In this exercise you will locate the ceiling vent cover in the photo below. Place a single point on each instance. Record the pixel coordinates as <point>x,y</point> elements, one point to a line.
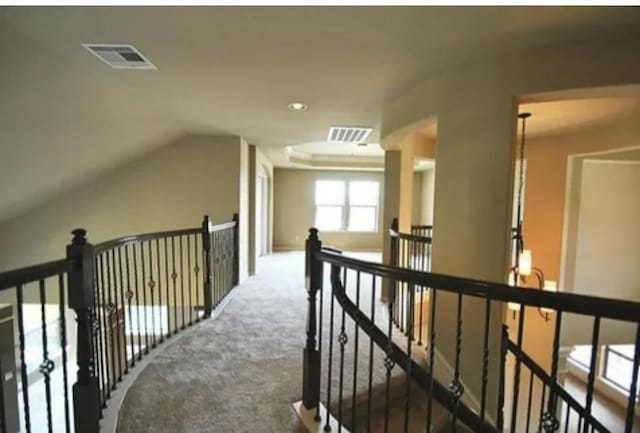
<point>347,134</point>
<point>120,56</point>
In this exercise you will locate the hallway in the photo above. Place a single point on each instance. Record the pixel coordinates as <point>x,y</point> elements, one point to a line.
<point>239,372</point>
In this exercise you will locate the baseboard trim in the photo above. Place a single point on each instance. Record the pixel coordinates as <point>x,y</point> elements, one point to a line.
<point>307,417</point>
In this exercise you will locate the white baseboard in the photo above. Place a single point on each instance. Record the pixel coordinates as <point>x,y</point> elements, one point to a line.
<point>308,418</point>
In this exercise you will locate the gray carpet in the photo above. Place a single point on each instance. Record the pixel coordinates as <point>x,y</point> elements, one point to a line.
<point>242,371</point>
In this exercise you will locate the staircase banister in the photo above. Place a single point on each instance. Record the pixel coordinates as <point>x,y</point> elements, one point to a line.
<point>568,302</point>
<point>125,240</point>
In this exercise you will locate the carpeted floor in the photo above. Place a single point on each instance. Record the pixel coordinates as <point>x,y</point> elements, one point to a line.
<point>242,371</point>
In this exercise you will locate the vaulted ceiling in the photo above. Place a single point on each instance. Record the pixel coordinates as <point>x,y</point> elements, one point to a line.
<point>65,116</point>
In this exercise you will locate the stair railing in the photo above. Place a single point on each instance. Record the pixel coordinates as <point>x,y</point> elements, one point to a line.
<point>129,295</point>
<point>351,310</point>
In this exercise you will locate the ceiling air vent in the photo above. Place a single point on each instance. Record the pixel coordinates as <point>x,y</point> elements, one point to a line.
<point>347,134</point>
<point>120,56</point>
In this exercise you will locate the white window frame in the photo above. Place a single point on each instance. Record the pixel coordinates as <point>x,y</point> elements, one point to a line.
<point>347,206</point>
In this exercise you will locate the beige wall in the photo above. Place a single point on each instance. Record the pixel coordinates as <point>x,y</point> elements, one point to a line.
<point>608,252</point>
<point>259,165</point>
<point>294,210</point>
<point>172,187</point>
<point>428,191</point>
<point>418,198</point>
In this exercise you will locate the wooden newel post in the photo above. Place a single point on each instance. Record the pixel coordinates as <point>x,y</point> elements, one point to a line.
<point>80,283</point>
<point>311,358</point>
<point>206,245</point>
<point>236,250</point>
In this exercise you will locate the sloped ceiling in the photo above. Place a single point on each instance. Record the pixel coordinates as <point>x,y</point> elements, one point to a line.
<point>65,116</point>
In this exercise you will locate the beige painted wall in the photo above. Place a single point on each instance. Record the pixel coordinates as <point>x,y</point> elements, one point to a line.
<point>418,198</point>
<point>608,252</point>
<point>259,165</point>
<point>172,187</point>
<point>428,192</point>
<point>294,210</point>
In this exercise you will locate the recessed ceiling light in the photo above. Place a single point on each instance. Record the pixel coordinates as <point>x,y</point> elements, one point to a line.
<point>298,106</point>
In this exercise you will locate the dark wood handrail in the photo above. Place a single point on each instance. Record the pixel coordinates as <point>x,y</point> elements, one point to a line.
<point>558,389</point>
<point>418,372</point>
<point>421,227</point>
<point>569,302</point>
<point>34,273</point>
<point>410,237</point>
<point>125,240</point>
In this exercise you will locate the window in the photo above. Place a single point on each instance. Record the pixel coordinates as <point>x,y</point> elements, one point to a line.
<point>618,365</point>
<point>351,206</point>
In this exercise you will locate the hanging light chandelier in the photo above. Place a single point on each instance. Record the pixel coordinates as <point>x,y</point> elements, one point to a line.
<point>523,266</point>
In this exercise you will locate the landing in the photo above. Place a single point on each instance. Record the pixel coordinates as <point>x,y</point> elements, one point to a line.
<point>237,373</point>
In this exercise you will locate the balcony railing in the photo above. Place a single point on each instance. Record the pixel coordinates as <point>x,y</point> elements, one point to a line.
<point>129,295</point>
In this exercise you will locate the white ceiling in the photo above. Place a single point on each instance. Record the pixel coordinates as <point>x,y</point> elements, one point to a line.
<point>65,116</point>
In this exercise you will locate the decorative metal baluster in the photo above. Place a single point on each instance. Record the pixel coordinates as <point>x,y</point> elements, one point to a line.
<point>388,360</point>
<point>342,339</point>
<point>47,365</point>
<point>485,359</point>
<point>189,280</point>
<point>97,331</point>
<point>356,332</point>
<point>373,321</point>
<point>504,339</point>
<point>116,330</point>
<point>182,284</point>
<point>566,420</point>
<point>530,400</point>
<point>166,287</point>
<point>129,296</point>
<point>633,389</point>
<point>122,298</point>
<point>403,263</point>
<point>62,324</point>
<point>196,271</point>
<point>456,386</point>
<point>152,286</point>
<point>550,421</point>
<point>421,294</point>
<point>410,338</point>
<point>334,269</point>
<point>159,288</point>
<point>137,296</point>
<point>3,421</point>
<point>516,376</point>
<point>320,320</point>
<point>215,251</point>
<point>23,361</point>
<point>592,368</point>
<point>544,393</point>
<point>110,314</point>
<point>174,277</point>
<point>106,382</point>
<point>144,299</point>
<point>432,353</point>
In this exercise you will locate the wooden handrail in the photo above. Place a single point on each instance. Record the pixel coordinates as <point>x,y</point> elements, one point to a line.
<point>34,273</point>
<point>569,302</point>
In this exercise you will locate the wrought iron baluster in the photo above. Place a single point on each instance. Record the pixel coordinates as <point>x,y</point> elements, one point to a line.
<point>373,320</point>
<point>3,421</point>
<point>504,339</point>
<point>410,338</point>
<point>159,288</point>
<point>529,400</point>
<point>106,383</point>
<point>23,361</point>
<point>334,269</point>
<point>456,386</point>
<point>97,330</point>
<point>566,420</point>
<point>595,337</point>
<point>388,360</point>
<point>550,421</point>
<point>516,378</point>
<point>196,270</point>
<point>189,280</point>
<point>485,359</point>
<point>152,286</point>
<point>122,298</point>
<point>356,332</point>
<point>540,418</point>
<point>62,324</point>
<point>182,284</point>
<point>136,279</point>
<point>110,315</point>
<point>174,277</point>
<point>432,353</point>
<point>144,299</point>
<point>342,339</point>
<point>47,365</point>
<point>166,287</point>
<point>420,325</point>
<point>129,295</point>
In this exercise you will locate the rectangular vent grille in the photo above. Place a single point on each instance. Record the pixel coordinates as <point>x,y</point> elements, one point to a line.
<point>120,56</point>
<point>347,134</point>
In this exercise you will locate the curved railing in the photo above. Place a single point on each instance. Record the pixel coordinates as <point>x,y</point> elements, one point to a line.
<point>353,280</point>
<point>129,295</point>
